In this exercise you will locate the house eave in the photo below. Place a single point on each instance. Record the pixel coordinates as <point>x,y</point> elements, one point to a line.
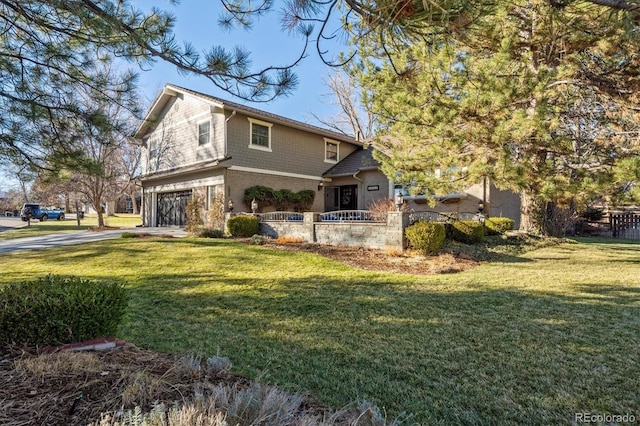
<point>184,170</point>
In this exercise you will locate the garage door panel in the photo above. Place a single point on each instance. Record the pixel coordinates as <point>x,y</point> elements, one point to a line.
<point>172,208</point>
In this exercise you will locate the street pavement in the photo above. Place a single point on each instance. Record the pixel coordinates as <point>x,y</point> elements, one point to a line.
<point>71,238</point>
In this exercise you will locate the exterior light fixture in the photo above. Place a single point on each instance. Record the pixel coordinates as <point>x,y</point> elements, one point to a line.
<point>320,186</point>
<point>230,205</point>
<point>481,207</point>
<point>254,206</point>
<point>399,200</point>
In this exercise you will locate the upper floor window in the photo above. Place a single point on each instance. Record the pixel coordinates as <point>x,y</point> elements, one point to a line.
<point>204,132</point>
<point>153,148</point>
<point>331,151</point>
<point>260,135</point>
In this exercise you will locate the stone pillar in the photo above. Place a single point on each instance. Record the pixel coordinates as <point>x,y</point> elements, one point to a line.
<point>309,227</point>
<point>396,222</point>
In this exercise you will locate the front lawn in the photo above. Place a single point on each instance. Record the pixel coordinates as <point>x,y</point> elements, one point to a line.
<point>532,339</point>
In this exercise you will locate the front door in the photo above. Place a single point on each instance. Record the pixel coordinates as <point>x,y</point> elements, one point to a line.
<point>340,198</point>
<point>349,197</point>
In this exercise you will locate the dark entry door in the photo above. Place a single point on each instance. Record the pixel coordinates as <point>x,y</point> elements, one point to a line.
<point>172,208</point>
<point>349,197</point>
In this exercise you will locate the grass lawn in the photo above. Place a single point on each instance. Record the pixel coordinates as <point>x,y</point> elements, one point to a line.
<point>70,224</point>
<point>532,339</point>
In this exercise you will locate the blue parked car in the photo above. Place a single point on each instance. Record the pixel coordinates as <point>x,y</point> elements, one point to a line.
<point>34,211</point>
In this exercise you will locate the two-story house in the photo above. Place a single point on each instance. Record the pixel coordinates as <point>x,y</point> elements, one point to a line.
<point>199,144</point>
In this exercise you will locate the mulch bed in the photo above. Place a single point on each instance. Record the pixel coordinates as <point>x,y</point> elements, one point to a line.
<point>385,261</point>
<point>74,388</point>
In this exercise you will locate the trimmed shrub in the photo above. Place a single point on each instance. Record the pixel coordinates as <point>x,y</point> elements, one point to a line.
<point>54,310</point>
<point>286,199</point>
<point>210,233</point>
<point>467,231</point>
<point>305,200</point>
<point>426,237</point>
<point>264,195</point>
<point>243,225</point>
<point>498,225</point>
<point>282,199</point>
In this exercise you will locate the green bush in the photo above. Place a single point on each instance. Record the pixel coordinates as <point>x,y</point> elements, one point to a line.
<point>54,310</point>
<point>282,199</point>
<point>305,199</point>
<point>286,199</point>
<point>467,231</point>
<point>263,195</point>
<point>498,225</point>
<point>243,225</point>
<point>210,233</point>
<point>426,237</point>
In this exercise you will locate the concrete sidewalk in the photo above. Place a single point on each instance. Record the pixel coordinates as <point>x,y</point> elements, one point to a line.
<point>80,237</point>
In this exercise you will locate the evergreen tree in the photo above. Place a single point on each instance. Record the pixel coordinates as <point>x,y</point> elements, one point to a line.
<point>540,96</point>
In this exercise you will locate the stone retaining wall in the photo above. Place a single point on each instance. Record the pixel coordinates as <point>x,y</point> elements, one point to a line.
<point>384,236</point>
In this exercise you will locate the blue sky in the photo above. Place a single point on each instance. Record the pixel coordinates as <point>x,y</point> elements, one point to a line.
<point>197,23</point>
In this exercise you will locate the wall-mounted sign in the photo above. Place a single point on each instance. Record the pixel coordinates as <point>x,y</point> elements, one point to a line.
<point>373,188</point>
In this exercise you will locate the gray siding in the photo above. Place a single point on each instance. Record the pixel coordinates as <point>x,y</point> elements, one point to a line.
<point>175,138</point>
<point>292,151</point>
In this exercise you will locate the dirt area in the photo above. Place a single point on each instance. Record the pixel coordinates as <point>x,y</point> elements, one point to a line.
<point>386,261</point>
<point>76,388</point>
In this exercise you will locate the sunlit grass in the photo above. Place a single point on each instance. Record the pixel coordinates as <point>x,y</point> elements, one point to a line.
<point>70,224</point>
<point>531,339</point>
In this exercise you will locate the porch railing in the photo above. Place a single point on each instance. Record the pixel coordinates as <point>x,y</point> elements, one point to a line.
<point>353,216</point>
<point>281,217</point>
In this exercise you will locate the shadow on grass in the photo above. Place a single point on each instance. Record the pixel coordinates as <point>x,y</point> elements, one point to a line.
<point>470,356</point>
<point>447,351</point>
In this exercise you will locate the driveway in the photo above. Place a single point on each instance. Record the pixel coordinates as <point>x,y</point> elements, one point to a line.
<point>79,237</point>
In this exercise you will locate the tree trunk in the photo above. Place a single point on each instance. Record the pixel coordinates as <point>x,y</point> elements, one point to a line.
<point>98,207</point>
<point>532,214</point>
<point>134,202</point>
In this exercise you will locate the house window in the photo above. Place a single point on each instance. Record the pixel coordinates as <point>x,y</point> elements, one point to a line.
<point>204,132</point>
<point>260,135</point>
<point>331,151</point>
<point>153,149</point>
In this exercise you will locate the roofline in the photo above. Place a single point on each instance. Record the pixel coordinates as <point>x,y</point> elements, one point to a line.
<point>173,90</point>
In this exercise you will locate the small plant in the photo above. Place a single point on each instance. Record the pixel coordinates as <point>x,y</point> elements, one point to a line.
<point>289,240</point>
<point>498,225</point>
<point>217,365</point>
<point>210,233</point>
<point>243,225</point>
<point>467,231</point>
<point>426,237</point>
<point>129,235</point>
<point>216,212</point>
<point>258,240</point>
<point>53,310</point>
<point>194,215</point>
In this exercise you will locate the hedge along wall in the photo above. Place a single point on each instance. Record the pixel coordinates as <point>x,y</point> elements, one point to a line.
<point>359,234</point>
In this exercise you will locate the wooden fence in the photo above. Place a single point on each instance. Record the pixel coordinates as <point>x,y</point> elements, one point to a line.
<point>626,225</point>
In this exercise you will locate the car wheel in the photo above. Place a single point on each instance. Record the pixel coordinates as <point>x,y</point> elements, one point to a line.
<point>44,218</point>
<point>61,217</point>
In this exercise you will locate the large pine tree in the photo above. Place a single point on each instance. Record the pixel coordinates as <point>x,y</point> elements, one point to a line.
<point>540,96</point>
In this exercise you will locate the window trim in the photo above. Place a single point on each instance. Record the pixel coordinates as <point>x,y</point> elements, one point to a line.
<point>198,123</point>
<point>326,145</point>
<point>253,121</point>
